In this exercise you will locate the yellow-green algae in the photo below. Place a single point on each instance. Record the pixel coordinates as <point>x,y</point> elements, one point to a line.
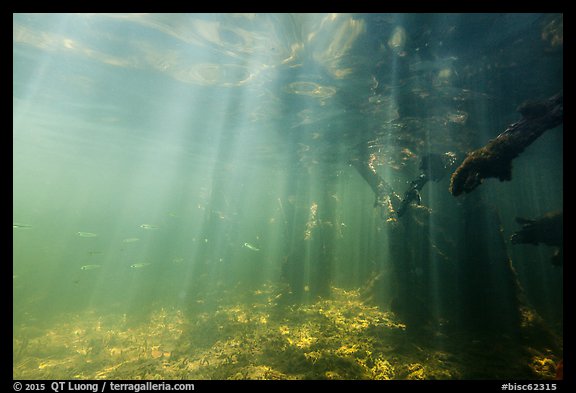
<point>337,338</point>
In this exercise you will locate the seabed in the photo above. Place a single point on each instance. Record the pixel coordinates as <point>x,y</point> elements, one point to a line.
<point>339,338</point>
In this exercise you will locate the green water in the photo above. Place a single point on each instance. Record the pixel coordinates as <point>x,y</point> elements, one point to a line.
<point>186,203</point>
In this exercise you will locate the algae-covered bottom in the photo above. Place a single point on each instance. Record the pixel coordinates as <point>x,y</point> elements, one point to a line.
<point>337,338</point>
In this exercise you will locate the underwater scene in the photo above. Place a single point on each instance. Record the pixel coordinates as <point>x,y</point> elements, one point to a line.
<point>288,196</point>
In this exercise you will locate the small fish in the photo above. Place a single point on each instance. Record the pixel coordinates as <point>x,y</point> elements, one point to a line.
<point>139,265</point>
<point>90,267</point>
<point>94,252</point>
<point>251,247</point>
<point>16,225</point>
<point>148,226</point>
<point>86,234</point>
<point>131,240</point>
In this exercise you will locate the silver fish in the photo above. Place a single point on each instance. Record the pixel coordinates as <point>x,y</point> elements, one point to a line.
<point>139,265</point>
<point>16,225</point>
<point>148,226</point>
<point>130,240</point>
<point>251,247</point>
<point>86,234</point>
<point>90,267</point>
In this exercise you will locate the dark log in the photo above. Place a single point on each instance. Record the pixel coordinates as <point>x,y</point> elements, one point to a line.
<point>433,167</point>
<point>382,190</point>
<point>495,159</point>
<point>547,229</point>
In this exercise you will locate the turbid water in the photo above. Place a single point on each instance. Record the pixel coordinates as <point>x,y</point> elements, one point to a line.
<point>266,196</point>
